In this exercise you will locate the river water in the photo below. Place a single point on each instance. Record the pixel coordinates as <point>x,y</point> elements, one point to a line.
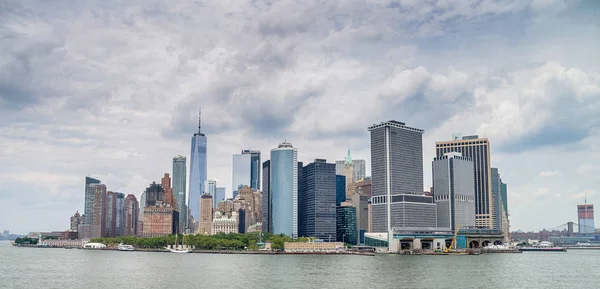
<point>61,268</point>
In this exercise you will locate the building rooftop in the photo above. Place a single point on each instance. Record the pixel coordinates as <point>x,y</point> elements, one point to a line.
<point>396,124</point>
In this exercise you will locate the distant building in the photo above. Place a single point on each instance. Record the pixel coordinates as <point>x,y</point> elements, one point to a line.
<point>340,189</point>
<point>198,169</point>
<point>211,189</point>
<point>169,198</point>
<point>75,222</point>
<point>254,168</point>
<point>120,214</point>
<point>349,174</point>
<point>359,168</point>
<point>224,224</point>
<point>206,216</point>
<point>316,200</point>
<point>585,215</point>
<point>241,171</point>
<point>397,178</point>
<point>283,188</point>
<point>110,215</point>
<point>313,246</point>
<point>154,193</point>
<point>346,223</point>
<point>160,219</point>
<point>361,203</point>
<point>363,187</point>
<point>225,207</point>
<point>248,203</point>
<point>454,191</point>
<point>98,211</point>
<point>267,222</point>
<point>220,195</point>
<point>179,184</point>
<point>131,216</point>
<point>477,149</point>
<point>85,228</point>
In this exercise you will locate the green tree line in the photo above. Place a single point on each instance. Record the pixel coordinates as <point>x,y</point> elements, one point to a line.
<point>231,241</point>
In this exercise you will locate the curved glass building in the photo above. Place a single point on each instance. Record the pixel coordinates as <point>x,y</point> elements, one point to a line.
<point>284,189</point>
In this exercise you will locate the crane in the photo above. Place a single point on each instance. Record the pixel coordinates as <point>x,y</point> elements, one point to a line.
<point>453,243</point>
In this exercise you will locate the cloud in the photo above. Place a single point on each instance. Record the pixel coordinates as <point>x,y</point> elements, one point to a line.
<point>541,192</point>
<point>111,90</point>
<point>551,173</point>
<point>587,168</point>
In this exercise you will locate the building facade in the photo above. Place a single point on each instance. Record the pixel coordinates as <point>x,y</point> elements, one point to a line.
<point>160,219</point>
<point>359,169</point>
<point>340,189</point>
<point>219,195</point>
<point>397,171</point>
<point>168,195</point>
<point>255,168</point>
<point>267,225</point>
<point>198,170</point>
<point>585,216</point>
<point>206,217</point>
<point>361,203</point>
<point>478,150</point>
<point>346,223</point>
<point>76,220</point>
<point>497,206</point>
<point>224,224</point>
<point>179,189</point>
<point>99,211</point>
<point>317,199</point>
<point>283,188</point>
<point>363,187</point>
<point>131,215</point>
<point>453,184</point>
<point>85,229</point>
<point>349,174</point>
<point>211,188</point>
<point>241,171</point>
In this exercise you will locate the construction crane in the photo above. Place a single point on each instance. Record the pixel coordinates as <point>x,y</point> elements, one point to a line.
<point>453,243</point>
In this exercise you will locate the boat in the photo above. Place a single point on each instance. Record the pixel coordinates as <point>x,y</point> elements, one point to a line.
<point>176,249</point>
<point>503,248</point>
<point>544,246</point>
<point>123,247</point>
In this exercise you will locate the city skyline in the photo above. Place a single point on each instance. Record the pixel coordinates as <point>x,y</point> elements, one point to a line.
<point>532,93</point>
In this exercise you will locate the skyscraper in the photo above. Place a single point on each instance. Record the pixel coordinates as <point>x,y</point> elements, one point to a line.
<point>206,216</point>
<point>120,214</point>
<point>497,206</point>
<point>179,181</point>
<point>284,190</point>
<point>86,227</point>
<point>166,184</point>
<point>316,200</point>
<point>340,189</point>
<point>454,191</point>
<point>359,168</point>
<point>219,196</point>
<point>478,150</point>
<point>267,225</point>
<point>98,211</point>
<point>131,215</point>
<point>154,194</point>
<point>346,223</point>
<point>241,171</point>
<point>361,203</point>
<point>198,170</point>
<point>349,174</point>
<point>397,168</point>
<point>585,218</point>
<point>254,168</point>
<point>211,188</point>
<point>110,216</point>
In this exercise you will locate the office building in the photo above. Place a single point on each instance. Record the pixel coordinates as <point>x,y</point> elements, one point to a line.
<point>504,194</point>
<point>316,200</point>
<point>340,189</point>
<point>497,206</point>
<point>179,190</point>
<point>198,170</point>
<point>346,223</point>
<point>585,216</point>
<point>85,229</point>
<point>267,225</point>
<point>211,188</point>
<point>361,204</point>
<point>160,219</point>
<point>98,211</point>
<point>359,169</point>
<point>478,150</point>
<point>219,195</point>
<point>397,178</point>
<point>131,216</point>
<point>206,216</point>
<point>110,215</point>
<point>76,220</point>
<point>153,194</point>
<point>284,176</point>
<point>453,183</point>
<point>254,168</point>
<point>223,224</point>
<point>246,170</point>
<point>169,198</point>
<point>120,214</point>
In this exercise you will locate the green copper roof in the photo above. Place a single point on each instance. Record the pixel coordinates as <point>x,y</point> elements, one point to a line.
<point>349,158</point>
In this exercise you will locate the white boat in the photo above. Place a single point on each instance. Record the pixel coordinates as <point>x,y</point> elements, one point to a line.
<point>122,247</point>
<point>176,249</point>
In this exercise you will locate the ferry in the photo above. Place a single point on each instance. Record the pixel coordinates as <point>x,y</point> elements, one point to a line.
<point>543,247</point>
<point>123,247</point>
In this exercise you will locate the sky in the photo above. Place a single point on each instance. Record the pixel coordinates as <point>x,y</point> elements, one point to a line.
<point>110,89</point>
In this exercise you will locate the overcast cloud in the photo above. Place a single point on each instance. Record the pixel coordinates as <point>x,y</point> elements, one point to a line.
<point>110,89</point>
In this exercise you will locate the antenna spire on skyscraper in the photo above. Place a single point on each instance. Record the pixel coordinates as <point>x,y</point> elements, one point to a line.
<point>199,119</point>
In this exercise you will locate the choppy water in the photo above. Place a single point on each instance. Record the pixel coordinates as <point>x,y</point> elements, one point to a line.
<point>60,268</point>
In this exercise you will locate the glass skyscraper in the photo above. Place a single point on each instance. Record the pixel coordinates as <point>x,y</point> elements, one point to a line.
<point>241,170</point>
<point>211,189</point>
<point>197,171</point>
<point>340,189</point>
<point>219,196</point>
<point>179,180</point>
<point>284,190</point>
<point>267,213</point>
<point>254,168</point>
<point>316,200</point>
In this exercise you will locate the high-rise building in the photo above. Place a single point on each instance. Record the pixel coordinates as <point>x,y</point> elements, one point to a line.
<point>211,188</point>
<point>98,211</point>
<point>504,194</point>
<point>349,174</point>
<point>75,221</point>
<point>154,193</point>
<point>160,219</point>
<point>363,187</point>
<point>284,190</point>
<point>248,203</point>
<point>85,231</point>
<point>359,169</point>
<point>219,196</point>
<point>454,197</point>
<point>497,206</point>
<point>206,216</point>
<point>120,214</point>
<point>361,203</point>
<point>316,200</point>
<point>198,170</point>
<point>246,170</point>
<point>340,189</point>
<point>179,183</point>
<point>585,216</point>
<point>477,149</point>
<point>169,198</point>
<point>110,217</point>
<point>346,223</point>
<point>267,225</point>
<point>397,178</point>
<point>131,216</point>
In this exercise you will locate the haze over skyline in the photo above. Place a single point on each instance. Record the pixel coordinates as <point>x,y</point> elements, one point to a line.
<point>111,90</point>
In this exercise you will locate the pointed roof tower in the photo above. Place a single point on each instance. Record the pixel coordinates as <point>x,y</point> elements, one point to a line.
<point>348,158</point>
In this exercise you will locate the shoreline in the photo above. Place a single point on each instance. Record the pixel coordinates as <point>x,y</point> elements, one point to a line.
<point>241,252</point>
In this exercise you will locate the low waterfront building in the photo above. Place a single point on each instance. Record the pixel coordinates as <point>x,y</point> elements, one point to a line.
<point>313,246</point>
